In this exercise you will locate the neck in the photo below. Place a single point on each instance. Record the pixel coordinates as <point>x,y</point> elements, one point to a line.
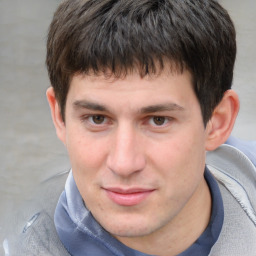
<point>182,231</point>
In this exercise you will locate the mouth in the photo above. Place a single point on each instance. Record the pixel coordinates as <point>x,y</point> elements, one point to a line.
<point>128,197</point>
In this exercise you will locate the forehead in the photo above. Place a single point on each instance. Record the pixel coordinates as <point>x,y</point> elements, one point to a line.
<point>132,92</point>
<point>132,81</point>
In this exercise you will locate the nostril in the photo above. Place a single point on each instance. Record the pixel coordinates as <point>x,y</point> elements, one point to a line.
<point>126,166</point>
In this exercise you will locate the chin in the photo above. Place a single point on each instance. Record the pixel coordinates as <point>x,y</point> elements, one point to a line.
<point>128,227</point>
<point>130,232</point>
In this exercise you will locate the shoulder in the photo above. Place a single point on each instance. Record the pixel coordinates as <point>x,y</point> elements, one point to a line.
<point>38,237</point>
<point>235,173</point>
<point>233,165</point>
<point>35,232</point>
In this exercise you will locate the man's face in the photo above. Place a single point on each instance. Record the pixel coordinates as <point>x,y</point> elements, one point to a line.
<point>137,149</point>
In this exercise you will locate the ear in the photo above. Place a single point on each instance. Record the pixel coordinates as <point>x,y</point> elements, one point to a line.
<point>56,114</point>
<point>222,121</point>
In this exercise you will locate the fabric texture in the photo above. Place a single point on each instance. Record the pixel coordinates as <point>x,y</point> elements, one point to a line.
<point>236,174</point>
<point>247,147</point>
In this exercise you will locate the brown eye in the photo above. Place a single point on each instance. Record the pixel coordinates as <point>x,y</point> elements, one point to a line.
<point>159,120</point>
<point>97,119</point>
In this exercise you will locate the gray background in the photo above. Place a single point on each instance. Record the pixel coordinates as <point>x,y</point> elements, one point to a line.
<point>29,149</point>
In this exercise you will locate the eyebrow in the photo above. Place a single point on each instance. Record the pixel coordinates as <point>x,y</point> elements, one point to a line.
<point>145,110</point>
<point>89,105</point>
<point>161,108</point>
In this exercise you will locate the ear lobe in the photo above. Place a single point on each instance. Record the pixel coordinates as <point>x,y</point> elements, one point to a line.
<point>56,114</point>
<point>222,121</point>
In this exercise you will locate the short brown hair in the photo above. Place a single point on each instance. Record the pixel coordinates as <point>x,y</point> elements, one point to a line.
<point>121,36</point>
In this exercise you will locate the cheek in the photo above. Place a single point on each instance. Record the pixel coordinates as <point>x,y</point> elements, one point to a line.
<point>181,159</point>
<point>173,152</point>
<point>87,160</point>
<point>86,153</point>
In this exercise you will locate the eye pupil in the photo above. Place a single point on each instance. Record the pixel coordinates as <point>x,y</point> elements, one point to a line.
<point>98,119</point>
<point>159,120</point>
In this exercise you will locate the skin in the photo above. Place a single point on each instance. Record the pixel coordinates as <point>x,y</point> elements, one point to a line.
<point>143,134</point>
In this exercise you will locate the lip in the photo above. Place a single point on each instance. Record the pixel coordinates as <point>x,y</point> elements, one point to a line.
<point>128,197</point>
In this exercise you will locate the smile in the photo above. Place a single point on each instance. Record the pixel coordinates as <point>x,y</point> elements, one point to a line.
<point>130,197</point>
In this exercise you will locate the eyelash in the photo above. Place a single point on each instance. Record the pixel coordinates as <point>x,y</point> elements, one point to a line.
<point>166,120</point>
<point>89,119</point>
<point>149,120</point>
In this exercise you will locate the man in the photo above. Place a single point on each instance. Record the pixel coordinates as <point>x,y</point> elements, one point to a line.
<point>140,91</point>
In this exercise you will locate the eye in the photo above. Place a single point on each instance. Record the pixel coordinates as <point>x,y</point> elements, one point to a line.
<point>96,122</point>
<point>158,120</point>
<point>97,119</point>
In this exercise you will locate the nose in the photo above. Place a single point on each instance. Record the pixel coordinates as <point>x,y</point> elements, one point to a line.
<point>126,155</point>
